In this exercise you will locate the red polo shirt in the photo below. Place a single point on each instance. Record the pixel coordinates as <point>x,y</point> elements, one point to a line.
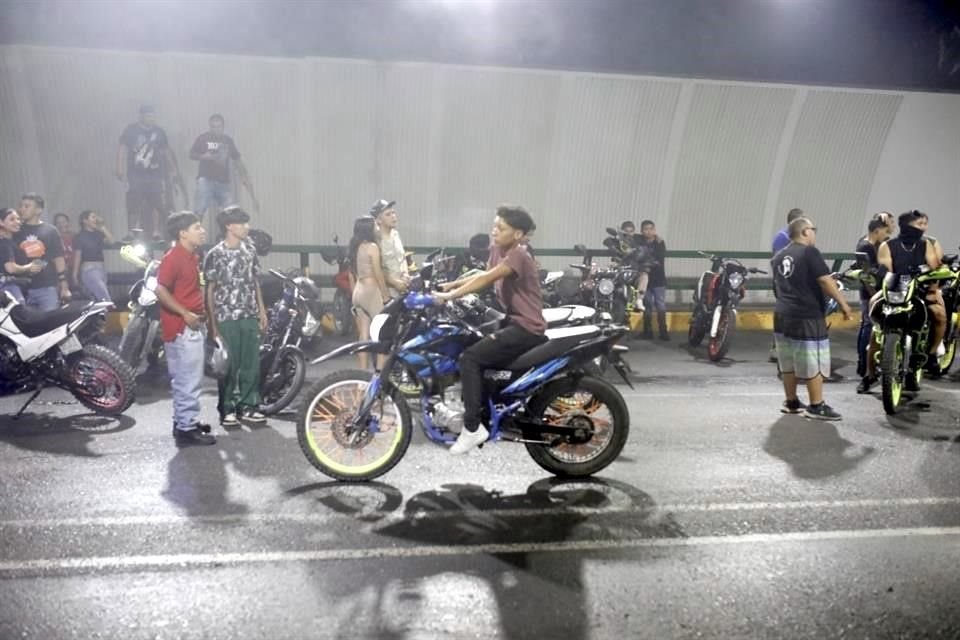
<point>179,273</point>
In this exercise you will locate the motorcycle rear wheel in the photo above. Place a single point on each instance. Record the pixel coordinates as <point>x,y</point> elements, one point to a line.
<point>100,380</point>
<point>598,406</point>
<point>892,374</point>
<point>291,371</point>
<point>697,329</point>
<point>333,447</point>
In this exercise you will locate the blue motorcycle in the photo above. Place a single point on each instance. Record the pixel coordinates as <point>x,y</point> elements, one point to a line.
<point>356,425</point>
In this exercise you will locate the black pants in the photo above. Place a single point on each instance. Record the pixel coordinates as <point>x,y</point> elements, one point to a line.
<point>497,350</point>
<point>140,208</point>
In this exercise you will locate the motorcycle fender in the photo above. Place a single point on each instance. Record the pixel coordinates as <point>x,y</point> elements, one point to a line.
<point>366,346</point>
<point>284,350</point>
<point>715,323</point>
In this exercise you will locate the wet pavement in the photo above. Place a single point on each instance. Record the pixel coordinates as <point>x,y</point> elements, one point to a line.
<point>722,519</point>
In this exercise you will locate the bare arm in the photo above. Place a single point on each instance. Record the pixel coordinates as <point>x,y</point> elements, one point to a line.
<point>209,304</point>
<point>479,282</point>
<point>829,286</point>
<point>75,267</point>
<point>246,182</point>
<point>934,256</point>
<point>107,236</point>
<point>170,303</point>
<point>883,257</point>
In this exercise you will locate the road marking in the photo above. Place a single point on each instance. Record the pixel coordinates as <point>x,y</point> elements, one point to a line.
<point>320,555</point>
<point>382,517</point>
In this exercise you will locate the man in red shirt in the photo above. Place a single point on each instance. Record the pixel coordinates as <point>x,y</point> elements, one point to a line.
<point>182,324</point>
<point>515,277</point>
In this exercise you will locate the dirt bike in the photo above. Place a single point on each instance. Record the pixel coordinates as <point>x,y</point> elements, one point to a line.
<point>357,426</point>
<point>342,311</point>
<point>58,348</point>
<point>902,330</point>
<point>715,300</point>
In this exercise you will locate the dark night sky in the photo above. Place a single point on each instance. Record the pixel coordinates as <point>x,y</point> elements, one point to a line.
<point>867,43</point>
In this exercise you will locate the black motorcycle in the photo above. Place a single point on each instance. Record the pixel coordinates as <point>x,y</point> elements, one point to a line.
<point>293,319</point>
<point>715,300</point>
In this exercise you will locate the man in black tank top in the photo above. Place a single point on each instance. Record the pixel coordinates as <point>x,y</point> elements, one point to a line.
<point>912,249</point>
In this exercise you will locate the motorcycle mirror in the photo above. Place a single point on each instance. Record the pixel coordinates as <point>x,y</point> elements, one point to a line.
<point>612,231</point>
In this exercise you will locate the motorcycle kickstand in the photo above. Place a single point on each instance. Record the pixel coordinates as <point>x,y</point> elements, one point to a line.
<point>33,397</point>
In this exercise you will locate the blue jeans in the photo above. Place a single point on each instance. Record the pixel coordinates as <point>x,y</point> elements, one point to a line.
<point>43,299</point>
<point>93,277</point>
<point>210,192</point>
<point>185,365</point>
<point>863,337</point>
<point>655,299</point>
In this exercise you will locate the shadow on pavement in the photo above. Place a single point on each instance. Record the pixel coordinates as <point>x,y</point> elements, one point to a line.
<point>923,416</point>
<point>197,482</point>
<point>537,594</point>
<point>813,449</point>
<point>60,435</point>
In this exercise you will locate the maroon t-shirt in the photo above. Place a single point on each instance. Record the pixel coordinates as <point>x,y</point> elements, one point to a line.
<point>179,273</point>
<point>519,293</point>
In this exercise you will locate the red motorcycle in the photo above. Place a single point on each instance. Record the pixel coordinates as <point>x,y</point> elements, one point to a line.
<point>342,310</point>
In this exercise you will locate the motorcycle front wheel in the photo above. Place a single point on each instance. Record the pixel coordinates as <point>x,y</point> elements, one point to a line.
<point>100,380</point>
<point>950,343</point>
<point>892,371</point>
<point>131,343</point>
<point>720,344</point>
<point>277,392</point>
<point>588,403</point>
<point>341,450</point>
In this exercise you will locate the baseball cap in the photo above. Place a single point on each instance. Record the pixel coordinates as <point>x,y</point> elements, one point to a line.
<point>380,206</point>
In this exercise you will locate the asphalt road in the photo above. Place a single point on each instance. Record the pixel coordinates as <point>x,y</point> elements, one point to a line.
<point>722,519</point>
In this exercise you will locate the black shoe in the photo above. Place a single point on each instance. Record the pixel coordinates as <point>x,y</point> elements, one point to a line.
<point>910,382</point>
<point>646,335</point>
<point>185,437</point>
<point>203,426</point>
<point>866,383</point>
<point>665,337</point>
<point>821,411</point>
<point>792,406</point>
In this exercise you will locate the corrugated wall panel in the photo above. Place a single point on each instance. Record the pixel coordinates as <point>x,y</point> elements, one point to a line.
<point>833,161</point>
<point>606,165</point>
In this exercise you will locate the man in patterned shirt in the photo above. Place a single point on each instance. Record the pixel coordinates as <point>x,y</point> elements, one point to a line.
<point>237,315</point>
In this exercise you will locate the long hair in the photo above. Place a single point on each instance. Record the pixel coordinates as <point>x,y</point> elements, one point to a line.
<point>364,230</point>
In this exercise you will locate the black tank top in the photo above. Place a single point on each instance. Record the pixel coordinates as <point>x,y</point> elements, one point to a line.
<point>904,256</point>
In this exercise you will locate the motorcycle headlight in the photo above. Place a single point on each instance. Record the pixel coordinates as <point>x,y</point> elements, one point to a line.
<point>605,286</point>
<point>735,280</point>
<point>896,297</point>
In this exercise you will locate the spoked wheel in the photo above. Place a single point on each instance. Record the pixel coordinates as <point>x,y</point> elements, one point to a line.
<point>697,329</point>
<point>719,345</point>
<point>342,450</point>
<point>893,367</point>
<point>598,412</point>
<point>101,381</point>
<point>283,386</point>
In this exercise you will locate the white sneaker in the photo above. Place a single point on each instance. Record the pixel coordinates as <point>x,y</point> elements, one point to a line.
<point>468,440</point>
<point>230,420</point>
<point>639,306</point>
<point>941,350</point>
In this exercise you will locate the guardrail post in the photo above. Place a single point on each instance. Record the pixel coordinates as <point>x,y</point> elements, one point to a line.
<point>305,263</point>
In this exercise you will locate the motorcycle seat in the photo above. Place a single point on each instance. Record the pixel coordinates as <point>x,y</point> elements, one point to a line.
<point>559,341</point>
<point>35,323</point>
<point>568,313</point>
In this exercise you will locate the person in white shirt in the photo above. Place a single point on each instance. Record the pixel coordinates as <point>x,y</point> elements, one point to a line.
<point>392,254</point>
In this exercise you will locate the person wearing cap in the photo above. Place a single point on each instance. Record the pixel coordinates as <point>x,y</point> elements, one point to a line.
<point>392,254</point>
<point>237,315</point>
<point>144,160</point>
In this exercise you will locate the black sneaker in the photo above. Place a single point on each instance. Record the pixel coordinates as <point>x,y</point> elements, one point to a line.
<point>665,337</point>
<point>866,383</point>
<point>185,437</point>
<point>646,335</point>
<point>203,426</point>
<point>792,406</point>
<point>821,411</point>
<point>910,382</point>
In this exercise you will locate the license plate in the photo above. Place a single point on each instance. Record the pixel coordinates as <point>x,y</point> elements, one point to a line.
<point>70,345</point>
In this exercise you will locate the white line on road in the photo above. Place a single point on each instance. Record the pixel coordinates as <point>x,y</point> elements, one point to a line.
<point>317,518</point>
<point>220,559</point>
